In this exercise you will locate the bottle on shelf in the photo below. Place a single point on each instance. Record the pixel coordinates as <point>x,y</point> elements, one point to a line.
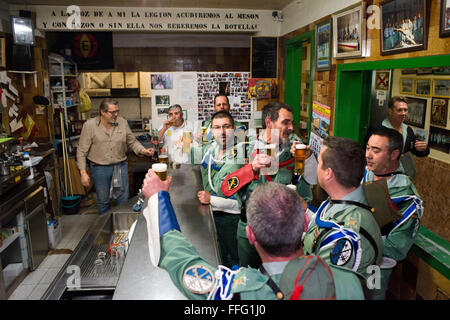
<point>27,163</point>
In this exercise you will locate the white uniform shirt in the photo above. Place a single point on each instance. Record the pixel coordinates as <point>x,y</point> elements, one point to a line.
<point>170,138</point>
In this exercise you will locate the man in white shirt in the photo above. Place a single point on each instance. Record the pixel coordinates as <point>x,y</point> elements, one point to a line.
<point>171,132</point>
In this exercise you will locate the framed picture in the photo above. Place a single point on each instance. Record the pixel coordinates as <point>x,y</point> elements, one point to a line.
<point>161,81</point>
<point>442,70</point>
<point>323,45</point>
<point>407,85</point>
<point>349,32</point>
<point>441,88</point>
<point>2,53</point>
<point>163,100</point>
<point>444,26</point>
<point>416,112</point>
<point>404,26</point>
<point>439,139</point>
<point>423,87</point>
<point>439,109</point>
<point>382,80</point>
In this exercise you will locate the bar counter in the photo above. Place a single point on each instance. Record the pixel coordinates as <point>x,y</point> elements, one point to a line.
<point>138,278</point>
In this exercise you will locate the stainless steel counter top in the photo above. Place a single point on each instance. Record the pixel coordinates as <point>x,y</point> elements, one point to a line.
<point>139,279</point>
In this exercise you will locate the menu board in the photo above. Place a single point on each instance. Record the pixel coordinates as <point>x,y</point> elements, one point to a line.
<point>264,57</point>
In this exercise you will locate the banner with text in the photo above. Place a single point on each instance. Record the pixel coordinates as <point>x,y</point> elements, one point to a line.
<point>78,18</point>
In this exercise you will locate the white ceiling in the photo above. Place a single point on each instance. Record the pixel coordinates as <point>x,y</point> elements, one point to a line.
<point>229,4</point>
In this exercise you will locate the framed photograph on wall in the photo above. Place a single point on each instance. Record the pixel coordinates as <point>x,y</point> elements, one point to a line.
<point>439,139</point>
<point>404,26</point>
<point>407,85</point>
<point>441,88</point>
<point>349,32</point>
<point>444,26</point>
<point>423,87</point>
<point>416,112</point>
<point>323,45</point>
<point>439,110</point>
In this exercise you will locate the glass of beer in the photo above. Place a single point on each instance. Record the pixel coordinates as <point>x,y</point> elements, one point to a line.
<point>271,151</point>
<point>203,131</point>
<point>299,157</point>
<point>160,170</point>
<point>163,157</point>
<point>187,139</point>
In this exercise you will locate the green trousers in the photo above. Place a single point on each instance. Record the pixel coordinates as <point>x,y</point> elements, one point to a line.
<point>248,256</point>
<point>226,227</point>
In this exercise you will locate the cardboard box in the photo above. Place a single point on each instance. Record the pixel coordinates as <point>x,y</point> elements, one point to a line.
<point>131,80</point>
<point>145,89</point>
<point>117,80</point>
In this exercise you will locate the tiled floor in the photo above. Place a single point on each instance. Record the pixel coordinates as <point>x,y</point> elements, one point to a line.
<point>36,283</point>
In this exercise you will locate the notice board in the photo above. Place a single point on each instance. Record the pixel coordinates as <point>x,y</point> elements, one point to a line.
<point>264,52</point>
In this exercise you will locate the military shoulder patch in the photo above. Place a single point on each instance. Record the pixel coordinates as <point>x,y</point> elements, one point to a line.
<point>233,183</point>
<point>342,252</point>
<point>198,279</point>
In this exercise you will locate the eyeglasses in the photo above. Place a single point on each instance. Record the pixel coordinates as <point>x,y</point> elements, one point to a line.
<point>113,112</point>
<point>225,126</point>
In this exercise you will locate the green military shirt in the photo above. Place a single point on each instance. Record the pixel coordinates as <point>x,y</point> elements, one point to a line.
<point>215,170</point>
<point>285,173</point>
<point>178,255</point>
<point>400,240</point>
<point>343,252</point>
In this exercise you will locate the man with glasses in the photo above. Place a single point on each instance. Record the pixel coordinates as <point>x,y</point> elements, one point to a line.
<point>103,142</point>
<point>219,158</point>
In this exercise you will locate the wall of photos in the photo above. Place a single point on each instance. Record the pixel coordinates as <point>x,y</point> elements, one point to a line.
<point>429,93</point>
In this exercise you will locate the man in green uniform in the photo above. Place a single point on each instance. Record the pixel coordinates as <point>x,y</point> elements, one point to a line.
<point>221,103</point>
<point>278,125</point>
<point>220,157</point>
<point>383,152</point>
<point>285,272</point>
<point>343,232</point>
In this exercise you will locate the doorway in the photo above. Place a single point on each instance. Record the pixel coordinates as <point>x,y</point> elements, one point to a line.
<point>299,80</point>
<point>353,91</point>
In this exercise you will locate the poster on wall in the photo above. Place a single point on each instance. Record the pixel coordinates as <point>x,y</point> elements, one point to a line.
<point>209,84</point>
<point>321,116</point>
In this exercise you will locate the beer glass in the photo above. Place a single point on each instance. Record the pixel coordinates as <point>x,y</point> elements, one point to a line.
<point>160,170</point>
<point>271,151</point>
<point>299,157</point>
<point>203,131</point>
<point>163,157</point>
<point>187,139</point>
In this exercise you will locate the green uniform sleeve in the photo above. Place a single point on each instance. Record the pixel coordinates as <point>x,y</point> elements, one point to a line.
<point>178,254</point>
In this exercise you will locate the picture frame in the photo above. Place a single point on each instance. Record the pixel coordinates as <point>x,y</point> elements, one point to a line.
<point>404,26</point>
<point>423,87</point>
<point>439,110</point>
<point>444,25</point>
<point>349,32</point>
<point>439,139</point>
<point>406,85</point>
<point>2,52</point>
<point>441,88</point>
<point>382,79</point>
<point>417,109</point>
<point>323,36</point>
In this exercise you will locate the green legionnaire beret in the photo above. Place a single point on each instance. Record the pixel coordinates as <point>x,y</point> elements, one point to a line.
<point>307,278</point>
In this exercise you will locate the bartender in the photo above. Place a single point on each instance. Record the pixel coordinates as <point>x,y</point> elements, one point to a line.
<point>103,142</point>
